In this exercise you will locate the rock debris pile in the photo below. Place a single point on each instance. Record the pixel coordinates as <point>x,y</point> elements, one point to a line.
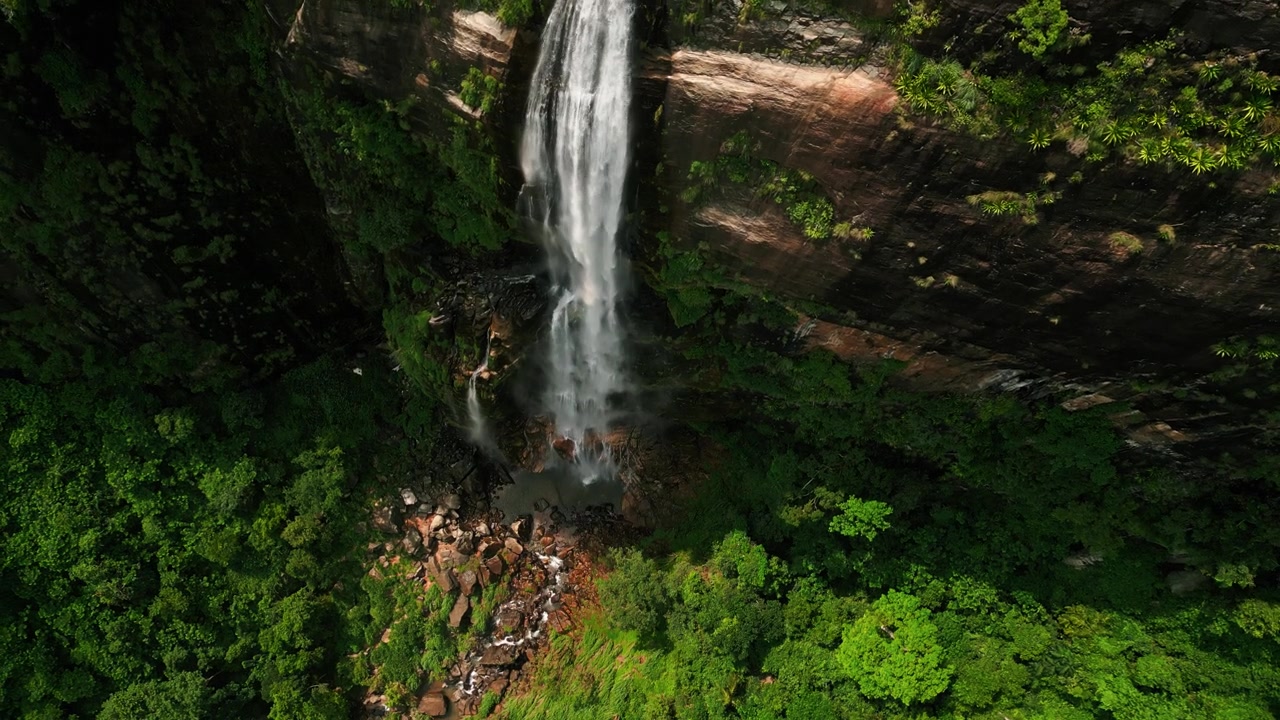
<point>529,559</point>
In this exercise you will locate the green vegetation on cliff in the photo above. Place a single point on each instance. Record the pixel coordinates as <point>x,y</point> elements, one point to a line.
<point>1153,102</point>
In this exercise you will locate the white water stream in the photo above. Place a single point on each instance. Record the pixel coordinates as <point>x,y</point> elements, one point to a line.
<point>479,429</point>
<point>574,154</point>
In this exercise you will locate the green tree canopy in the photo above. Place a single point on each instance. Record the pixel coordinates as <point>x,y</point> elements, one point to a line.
<point>893,651</point>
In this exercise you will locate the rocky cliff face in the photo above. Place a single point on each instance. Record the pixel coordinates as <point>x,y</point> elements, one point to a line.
<point>1113,282</point>
<point>1054,295</point>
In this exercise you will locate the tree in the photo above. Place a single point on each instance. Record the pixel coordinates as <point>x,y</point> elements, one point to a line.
<point>635,594</point>
<point>1041,23</point>
<point>860,518</point>
<point>893,651</point>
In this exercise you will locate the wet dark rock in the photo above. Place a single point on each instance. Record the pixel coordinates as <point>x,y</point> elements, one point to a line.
<point>520,528</point>
<point>488,547</point>
<point>499,655</point>
<point>510,620</point>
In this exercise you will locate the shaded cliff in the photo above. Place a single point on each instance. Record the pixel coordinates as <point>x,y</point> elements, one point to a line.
<point>1094,277</point>
<point>154,208</point>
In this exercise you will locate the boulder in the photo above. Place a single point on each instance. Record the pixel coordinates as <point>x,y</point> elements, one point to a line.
<point>449,557</point>
<point>565,447</point>
<point>510,620</point>
<point>441,576</point>
<point>412,542</point>
<point>494,566</point>
<point>467,582</point>
<point>437,522</point>
<point>514,546</point>
<point>459,611</point>
<point>408,497</point>
<point>520,528</point>
<point>432,704</point>
<point>559,621</point>
<point>499,655</point>
<point>384,519</point>
<point>488,547</point>
<point>452,501</point>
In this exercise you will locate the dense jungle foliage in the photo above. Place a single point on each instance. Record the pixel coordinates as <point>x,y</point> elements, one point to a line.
<point>188,460</point>
<point>865,552</point>
<point>190,453</point>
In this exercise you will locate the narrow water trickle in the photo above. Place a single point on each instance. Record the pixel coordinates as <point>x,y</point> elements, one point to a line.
<point>574,155</point>
<point>475,416</point>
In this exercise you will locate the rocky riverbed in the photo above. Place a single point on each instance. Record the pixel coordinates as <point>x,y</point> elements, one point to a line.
<point>533,558</point>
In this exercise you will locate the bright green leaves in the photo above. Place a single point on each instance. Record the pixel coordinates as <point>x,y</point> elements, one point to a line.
<point>800,195</point>
<point>184,696</point>
<point>320,486</point>
<point>1041,25</point>
<point>738,557</point>
<point>1258,618</point>
<point>861,518</point>
<point>988,672</point>
<point>479,90</point>
<point>893,651</point>
<point>157,544</point>
<point>635,594</point>
<point>226,488</point>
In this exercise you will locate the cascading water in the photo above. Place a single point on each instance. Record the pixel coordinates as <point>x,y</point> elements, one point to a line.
<point>479,429</point>
<point>574,157</point>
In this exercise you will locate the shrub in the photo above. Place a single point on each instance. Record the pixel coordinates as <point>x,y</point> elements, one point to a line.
<point>1041,23</point>
<point>634,593</point>
<point>1125,243</point>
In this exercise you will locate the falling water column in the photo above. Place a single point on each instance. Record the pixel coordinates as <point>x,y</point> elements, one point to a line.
<point>574,155</point>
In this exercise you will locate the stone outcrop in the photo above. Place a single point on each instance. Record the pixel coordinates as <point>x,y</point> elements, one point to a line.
<point>1050,302</point>
<point>1053,297</point>
<point>532,557</point>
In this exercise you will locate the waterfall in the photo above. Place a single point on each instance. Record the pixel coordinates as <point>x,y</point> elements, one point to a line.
<point>574,156</point>
<point>479,429</point>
